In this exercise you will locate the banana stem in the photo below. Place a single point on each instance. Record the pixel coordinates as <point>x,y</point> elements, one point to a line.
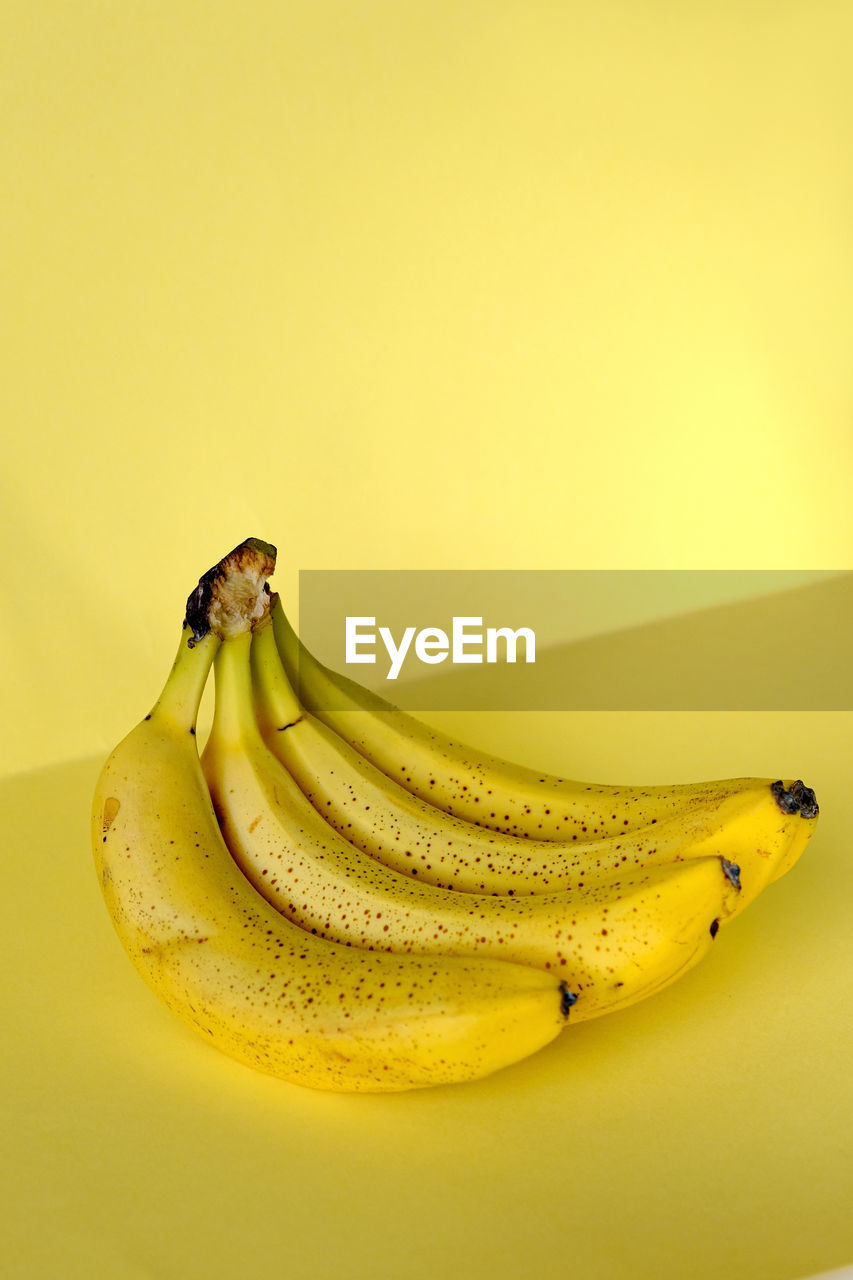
<point>286,638</point>
<point>230,599</point>
<point>181,697</point>
<point>233,712</point>
<point>275,692</point>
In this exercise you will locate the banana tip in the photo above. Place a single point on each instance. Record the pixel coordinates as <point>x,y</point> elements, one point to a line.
<point>798,798</point>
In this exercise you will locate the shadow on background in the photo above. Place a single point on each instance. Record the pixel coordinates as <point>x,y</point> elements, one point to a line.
<point>790,651</point>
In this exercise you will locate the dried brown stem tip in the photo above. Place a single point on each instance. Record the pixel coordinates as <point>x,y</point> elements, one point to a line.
<point>233,596</point>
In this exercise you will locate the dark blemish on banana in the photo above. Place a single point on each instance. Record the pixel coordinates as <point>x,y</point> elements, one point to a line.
<point>567,999</point>
<point>806,798</point>
<point>732,871</point>
<point>800,799</point>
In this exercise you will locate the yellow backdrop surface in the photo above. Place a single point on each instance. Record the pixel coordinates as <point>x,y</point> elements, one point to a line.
<point>517,285</point>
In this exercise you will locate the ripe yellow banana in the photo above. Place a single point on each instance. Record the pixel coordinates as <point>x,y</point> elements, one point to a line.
<point>614,939</point>
<point>741,820</point>
<point>312,1011</point>
<point>472,784</point>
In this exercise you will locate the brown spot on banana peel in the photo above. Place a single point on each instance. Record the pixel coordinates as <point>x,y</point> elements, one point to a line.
<point>168,945</point>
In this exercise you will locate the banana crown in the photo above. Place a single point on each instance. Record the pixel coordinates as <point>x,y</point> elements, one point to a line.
<point>358,902</point>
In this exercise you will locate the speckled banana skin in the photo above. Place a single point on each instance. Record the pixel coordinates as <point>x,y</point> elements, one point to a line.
<point>259,988</point>
<point>471,784</point>
<point>739,820</point>
<point>613,938</point>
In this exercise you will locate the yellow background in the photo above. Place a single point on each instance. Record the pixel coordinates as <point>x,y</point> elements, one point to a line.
<point>507,285</point>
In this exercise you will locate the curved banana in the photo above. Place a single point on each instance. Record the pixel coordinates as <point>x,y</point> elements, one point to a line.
<point>472,784</point>
<point>614,939</point>
<point>742,822</point>
<point>263,991</point>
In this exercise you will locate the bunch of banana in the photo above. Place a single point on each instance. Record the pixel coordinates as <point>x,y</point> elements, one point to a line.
<point>411,947</point>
